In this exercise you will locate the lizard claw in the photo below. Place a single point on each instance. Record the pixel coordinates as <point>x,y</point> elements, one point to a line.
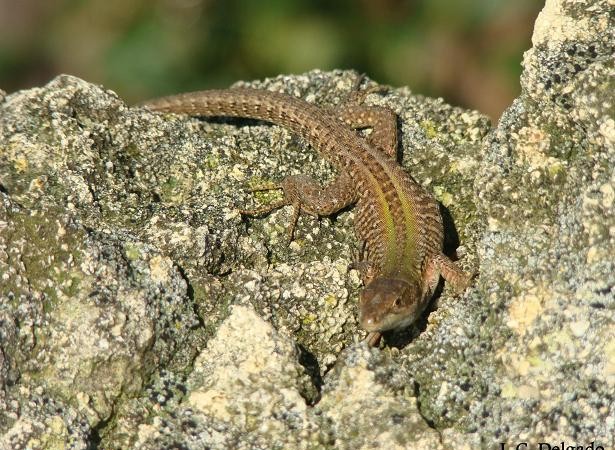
<point>357,95</point>
<point>293,222</point>
<point>266,187</point>
<point>373,339</point>
<point>263,210</point>
<point>452,273</point>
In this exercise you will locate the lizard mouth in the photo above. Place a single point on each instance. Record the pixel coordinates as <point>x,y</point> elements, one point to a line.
<point>370,325</point>
<point>391,322</point>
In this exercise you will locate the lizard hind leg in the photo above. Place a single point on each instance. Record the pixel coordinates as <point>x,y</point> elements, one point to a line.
<point>381,120</point>
<point>316,199</point>
<point>307,195</point>
<point>264,210</point>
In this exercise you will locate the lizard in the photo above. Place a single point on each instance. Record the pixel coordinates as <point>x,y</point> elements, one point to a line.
<point>397,219</point>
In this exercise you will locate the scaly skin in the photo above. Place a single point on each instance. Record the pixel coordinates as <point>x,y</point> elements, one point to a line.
<point>396,218</point>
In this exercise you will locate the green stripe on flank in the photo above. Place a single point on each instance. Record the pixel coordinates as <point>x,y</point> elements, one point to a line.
<point>390,254</point>
<point>401,260</point>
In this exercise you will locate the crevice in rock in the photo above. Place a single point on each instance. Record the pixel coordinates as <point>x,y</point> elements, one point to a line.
<point>95,434</point>
<point>417,393</point>
<point>312,368</point>
<point>190,293</point>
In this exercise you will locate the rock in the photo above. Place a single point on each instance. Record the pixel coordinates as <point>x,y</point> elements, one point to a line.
<point>138,310</point>
<point>246,390</point>
<point>254,393</point>
<point>547,266</point>
<point>123,251</point>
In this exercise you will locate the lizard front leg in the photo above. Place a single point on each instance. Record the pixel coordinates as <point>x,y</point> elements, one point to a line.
<point>367,269</point>
<point>441,264</point>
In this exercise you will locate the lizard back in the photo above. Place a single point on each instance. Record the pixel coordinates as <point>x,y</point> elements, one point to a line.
<point>398,219</point>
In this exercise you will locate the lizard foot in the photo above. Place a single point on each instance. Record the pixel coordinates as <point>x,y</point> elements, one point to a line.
<point>366,269</point>
<point>373,339</point>
<point>357,95</point>
<point>264,210</point>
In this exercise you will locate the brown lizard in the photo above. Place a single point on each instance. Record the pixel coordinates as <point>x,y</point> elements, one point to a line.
<point>398,220</point>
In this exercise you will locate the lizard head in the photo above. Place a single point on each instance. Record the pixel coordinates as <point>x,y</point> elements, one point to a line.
<point>388,303</point>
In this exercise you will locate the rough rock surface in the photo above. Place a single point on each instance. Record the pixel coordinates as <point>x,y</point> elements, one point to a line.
<point>138,310</point>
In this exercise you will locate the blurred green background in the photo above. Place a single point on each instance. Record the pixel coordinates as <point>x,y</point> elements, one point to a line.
<point>467,51</point>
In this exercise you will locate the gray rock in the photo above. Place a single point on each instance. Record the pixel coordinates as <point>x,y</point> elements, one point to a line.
<point>138,310</point>
<point>545,188</point>
<point>253,393</point>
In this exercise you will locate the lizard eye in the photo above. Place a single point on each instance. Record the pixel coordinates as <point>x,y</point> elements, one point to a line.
<point>397,302</point>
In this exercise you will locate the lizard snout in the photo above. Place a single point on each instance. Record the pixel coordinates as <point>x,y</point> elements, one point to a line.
<point>368,314</point>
